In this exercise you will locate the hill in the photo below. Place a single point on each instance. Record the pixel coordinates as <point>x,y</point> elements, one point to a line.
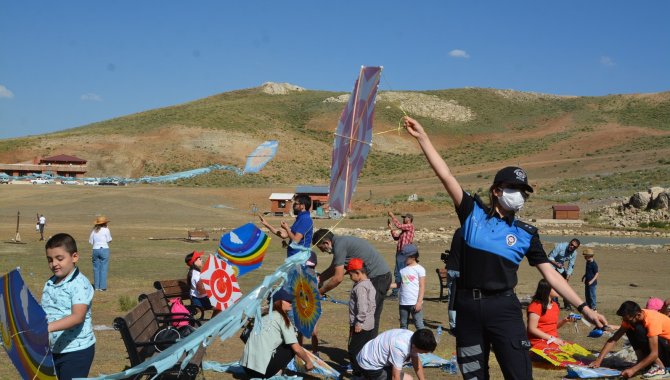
<point>575,148</point>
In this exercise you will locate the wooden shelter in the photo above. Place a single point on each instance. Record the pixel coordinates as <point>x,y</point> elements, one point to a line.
<point>566,211</point>
<point>61,165</point>
<point>281,203</point>
<point>319,197</point>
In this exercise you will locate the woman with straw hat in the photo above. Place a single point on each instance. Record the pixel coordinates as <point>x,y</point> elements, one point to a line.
<point>99,239</point>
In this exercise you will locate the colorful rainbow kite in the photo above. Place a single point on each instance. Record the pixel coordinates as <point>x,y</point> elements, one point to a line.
<point>244,247</point>
<point>220,283</point>
<point>24,329</point>
<point>307,303</point>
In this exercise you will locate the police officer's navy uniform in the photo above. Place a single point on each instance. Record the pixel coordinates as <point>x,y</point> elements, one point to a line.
<point>488,311</point>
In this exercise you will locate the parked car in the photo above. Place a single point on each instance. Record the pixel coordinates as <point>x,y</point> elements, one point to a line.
<point>40,181</point>
<point>70,182</point>
<point>91,182</point>
<point>5,180</point>
<point>109,183</point>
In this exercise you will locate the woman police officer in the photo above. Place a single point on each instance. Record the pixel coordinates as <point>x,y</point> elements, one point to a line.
<point>488,311</point>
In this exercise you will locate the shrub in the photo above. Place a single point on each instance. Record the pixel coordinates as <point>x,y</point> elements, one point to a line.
<point>126,303</point>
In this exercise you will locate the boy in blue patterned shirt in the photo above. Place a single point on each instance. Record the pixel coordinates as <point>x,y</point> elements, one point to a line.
<point>66,299</point>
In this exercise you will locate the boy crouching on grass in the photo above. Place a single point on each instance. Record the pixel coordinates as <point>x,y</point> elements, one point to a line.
<point>66,299</point>
<point>361,311</point>
<point>384,357</point>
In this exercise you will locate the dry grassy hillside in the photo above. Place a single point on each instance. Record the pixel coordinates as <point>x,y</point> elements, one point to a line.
<point>477,130</point>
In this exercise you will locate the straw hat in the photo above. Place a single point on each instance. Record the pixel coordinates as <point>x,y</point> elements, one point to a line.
<point>588,252</point>
<point>101,220</point>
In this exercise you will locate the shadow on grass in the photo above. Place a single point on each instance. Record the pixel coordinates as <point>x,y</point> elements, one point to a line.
<point>436,299</point>
<point>339,358</point>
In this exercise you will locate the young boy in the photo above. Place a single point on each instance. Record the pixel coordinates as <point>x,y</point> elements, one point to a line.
<point>361,311</point>
<point>384,357</point>
<point>648,331</point>
<point>412,288</point>
<point>66,299</point>
<point>590,278</point>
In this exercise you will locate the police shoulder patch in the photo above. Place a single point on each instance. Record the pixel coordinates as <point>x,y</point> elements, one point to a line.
<point>526,227</point>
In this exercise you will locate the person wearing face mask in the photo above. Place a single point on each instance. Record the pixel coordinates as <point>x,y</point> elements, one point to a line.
<point>488,313</point>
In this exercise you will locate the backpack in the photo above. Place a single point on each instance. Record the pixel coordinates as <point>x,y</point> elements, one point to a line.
<point>178,308</point>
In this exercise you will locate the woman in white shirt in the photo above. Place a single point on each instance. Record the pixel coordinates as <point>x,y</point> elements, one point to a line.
<point>99,239</point>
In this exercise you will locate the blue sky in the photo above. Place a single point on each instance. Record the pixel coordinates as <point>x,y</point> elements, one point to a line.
<point>65,64</point>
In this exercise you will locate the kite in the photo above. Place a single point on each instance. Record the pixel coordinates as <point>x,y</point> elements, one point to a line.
<point>353,139</point>
<point>220,283</point>
<point>244,247</point>
<point>307,303</point>
<point>260,156</point>
<point>321,369</point>
<point>24,329</point>
<point>562,356</point>
<point>580,372</point>
<point>226,324</point>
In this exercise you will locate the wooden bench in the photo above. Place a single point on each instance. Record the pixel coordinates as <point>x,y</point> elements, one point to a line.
<point>181,289</point>
<point>139,330</point>
<point>163,314</point>
<point>198,235</point>
<point>442,274</point>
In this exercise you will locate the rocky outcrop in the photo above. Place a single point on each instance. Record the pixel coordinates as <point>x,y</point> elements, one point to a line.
<point>639,200</point>
<point>419,104</point>
<point>661,201</point>
<point>642,209</point>
<point>655,198</point>
<point>280,88</point>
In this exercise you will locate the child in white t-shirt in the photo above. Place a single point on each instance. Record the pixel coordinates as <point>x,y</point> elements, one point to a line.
<point>412,288</point>
<point>198,296</point>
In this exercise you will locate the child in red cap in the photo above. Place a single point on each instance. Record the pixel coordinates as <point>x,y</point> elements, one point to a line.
<point>361,311</point>
<point>198,296</point>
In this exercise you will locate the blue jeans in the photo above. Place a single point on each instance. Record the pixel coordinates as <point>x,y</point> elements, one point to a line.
<point>590,295</point>
<point>399,264</point>
<point>452,276</point>
<point>100,268</point>
<point>417,316</point>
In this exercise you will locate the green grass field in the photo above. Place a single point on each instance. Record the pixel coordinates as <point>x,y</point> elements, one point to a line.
<point>140,212</point>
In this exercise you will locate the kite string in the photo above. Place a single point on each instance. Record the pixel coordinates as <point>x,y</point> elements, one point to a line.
<point>329,230</point>
<point>400,124</point>
<point>37,373</point>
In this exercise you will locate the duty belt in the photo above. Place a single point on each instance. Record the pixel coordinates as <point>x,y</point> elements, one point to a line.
<point>477,294</point>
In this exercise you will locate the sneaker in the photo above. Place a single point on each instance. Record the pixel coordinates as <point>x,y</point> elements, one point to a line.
<point>655,372</point>
<point>348,368</point>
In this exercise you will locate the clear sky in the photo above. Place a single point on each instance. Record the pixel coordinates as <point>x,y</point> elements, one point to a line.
<point>65,64</point>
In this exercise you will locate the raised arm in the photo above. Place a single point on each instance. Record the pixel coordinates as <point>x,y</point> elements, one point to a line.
<point>295,237</point>
<point>435,160</point>
<point>276,231</point>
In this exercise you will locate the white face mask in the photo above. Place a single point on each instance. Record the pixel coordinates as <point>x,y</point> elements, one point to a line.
<point>511,200</point>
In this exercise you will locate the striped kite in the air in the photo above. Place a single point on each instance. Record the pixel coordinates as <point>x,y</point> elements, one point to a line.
<point>353,139</point>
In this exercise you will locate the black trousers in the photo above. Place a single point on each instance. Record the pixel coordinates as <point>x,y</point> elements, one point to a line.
<point>381,284</point>
<point>640,342</point>
<point>494,321</point>
<point>385,373</point>
<point>74,364</point>
<point>281,358</point>
<point>356,343</point>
